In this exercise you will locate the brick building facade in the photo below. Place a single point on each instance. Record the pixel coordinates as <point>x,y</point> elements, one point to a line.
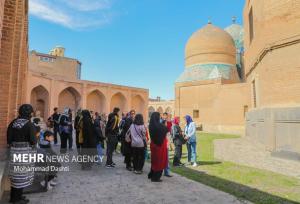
<point>55,81</point>
<point>13,60</point>
<point>272,43</point>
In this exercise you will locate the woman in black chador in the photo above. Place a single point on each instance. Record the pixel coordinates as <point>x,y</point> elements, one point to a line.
<point>21,140</point>
<point>158,146</point>
<point>90,138</point>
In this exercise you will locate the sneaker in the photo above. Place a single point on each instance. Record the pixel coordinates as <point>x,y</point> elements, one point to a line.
<point>168,175</point>
<point>113,164</point>
<point>109,166</point>
<point>195,164</point>
<point>137,172</point>
<point>53,183</point>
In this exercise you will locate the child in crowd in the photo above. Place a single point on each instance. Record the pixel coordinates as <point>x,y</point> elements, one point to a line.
<point>45,143</point>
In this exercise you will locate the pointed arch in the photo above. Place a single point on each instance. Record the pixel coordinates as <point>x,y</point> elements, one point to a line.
<point>96,101</point>
<point>138,104</point>
<point>39,99</point>
<point>120,101</point>
<point>69,97</point>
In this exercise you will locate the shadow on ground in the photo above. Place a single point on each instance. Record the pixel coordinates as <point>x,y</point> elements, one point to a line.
<point>240,191</point>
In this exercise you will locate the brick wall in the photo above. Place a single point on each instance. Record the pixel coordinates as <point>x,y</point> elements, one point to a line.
<point>221,106</point>
<point>274,22</point>
<point>59,67</point>
<point>271,58</point>
<point>13,61</point>
<point>1,18</point>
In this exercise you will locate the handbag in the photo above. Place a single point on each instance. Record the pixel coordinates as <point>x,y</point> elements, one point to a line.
<point>144,141</point>
<point>128,136</point>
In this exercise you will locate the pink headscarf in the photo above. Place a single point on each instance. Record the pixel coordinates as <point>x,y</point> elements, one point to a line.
<point>176,120</point>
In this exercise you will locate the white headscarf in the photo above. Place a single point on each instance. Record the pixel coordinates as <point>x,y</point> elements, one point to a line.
<point>66,111</point>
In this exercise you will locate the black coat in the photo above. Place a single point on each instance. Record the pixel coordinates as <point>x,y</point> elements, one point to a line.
<point>98,130</point>
<point>21,130</point>
<point>112,126</point>
<point>178,138</point>
<point>125,128</point>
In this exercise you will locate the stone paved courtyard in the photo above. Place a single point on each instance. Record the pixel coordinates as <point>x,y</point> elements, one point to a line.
<point>109,186</point>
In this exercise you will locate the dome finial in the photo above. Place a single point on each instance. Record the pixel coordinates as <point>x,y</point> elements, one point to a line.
<point>233,19</point>
<point>209,20</point>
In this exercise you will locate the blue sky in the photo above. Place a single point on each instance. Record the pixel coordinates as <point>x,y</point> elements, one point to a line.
<point>128,42</point>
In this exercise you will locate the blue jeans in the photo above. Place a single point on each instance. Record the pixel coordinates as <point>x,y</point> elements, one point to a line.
<point>100,151</point>
<point>167,169</point>
<point>192,155</point>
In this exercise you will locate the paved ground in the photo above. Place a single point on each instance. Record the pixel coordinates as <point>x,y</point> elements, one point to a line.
<point>254,155</point>
<point>108,186</point>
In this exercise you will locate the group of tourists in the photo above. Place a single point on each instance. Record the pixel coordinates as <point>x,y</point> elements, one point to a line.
<point>163,133</point>
<point>27,135</point>
<point>94,131</point>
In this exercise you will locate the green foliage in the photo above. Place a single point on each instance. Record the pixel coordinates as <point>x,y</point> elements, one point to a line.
<point>247,183</point>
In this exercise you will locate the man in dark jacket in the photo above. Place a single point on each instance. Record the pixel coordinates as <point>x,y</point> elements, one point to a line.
<point>126,146</point>
<point>54,120</point>
<point>111,132</point>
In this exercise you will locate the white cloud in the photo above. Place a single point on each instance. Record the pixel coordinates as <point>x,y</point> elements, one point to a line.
<point>88,5</point>
<point>74,14</point>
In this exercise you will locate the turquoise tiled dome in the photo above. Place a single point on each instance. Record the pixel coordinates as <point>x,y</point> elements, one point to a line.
<point>201,72</point>
<point>237,33</point>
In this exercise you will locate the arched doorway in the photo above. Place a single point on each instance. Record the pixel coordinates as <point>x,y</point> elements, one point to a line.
<point>70,98</point>
<point>96,102</point>
<point>119,100</point>
<point>160,110</point>
<point>39,99</point>
<point>150,111</point>
<point>138,104</point>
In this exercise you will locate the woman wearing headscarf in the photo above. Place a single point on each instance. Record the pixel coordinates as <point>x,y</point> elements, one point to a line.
<point>138,143</point>
<point>65,130</point>
<point>158,146</point>
<point>90,137</point>
<point>190,135</point>
<point>21,140</point>
<point>178,141</point>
